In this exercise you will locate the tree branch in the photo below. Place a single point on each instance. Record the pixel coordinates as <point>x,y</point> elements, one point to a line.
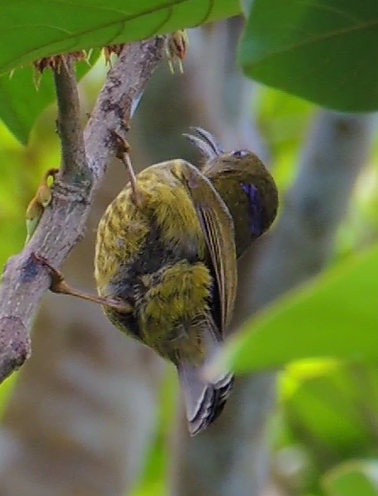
<point>63,223</point>
<point>74,166</point>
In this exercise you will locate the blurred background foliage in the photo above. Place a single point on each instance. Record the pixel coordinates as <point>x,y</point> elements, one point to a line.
<point>323,433</point>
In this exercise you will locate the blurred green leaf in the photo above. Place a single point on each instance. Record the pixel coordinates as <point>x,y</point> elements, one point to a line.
<point>154,481</point>
<point>331,408</point>
<point>328,414</point>
<point>322,51</point>
<point>334,315</point>
<point>353,478</point>
<point>22,100</point>
<point>283,121</point>
<point>6,391</point>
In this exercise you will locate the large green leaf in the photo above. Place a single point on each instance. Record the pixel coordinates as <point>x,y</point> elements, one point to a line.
<point>334,316</point>
<point>324,51</point>
<point>31,29</point>
<point>36,28</point>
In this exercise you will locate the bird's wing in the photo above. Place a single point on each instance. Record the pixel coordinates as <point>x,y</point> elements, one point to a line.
<point>218,229</point>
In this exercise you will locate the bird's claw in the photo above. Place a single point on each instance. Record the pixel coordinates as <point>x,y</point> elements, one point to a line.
<point>57,279</point>
<point>59,285</point>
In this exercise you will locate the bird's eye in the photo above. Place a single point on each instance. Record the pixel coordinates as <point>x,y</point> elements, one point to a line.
<point>240,153</point>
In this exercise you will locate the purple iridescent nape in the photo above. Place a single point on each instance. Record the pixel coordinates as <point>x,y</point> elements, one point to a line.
<point>255,210</point>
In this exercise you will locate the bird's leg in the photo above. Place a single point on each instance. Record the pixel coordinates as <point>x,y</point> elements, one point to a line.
<point>59,285</point>
<point>123,149</point>
<point>38,203</point>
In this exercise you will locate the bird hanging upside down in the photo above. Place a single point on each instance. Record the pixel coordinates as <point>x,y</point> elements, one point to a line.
<point>165,261</point>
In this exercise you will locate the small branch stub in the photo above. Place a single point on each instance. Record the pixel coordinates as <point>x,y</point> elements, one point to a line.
<point>14,345</point>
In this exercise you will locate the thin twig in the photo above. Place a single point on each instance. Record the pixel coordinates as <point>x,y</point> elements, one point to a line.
<point>74,168</point>
<point>63,223</point>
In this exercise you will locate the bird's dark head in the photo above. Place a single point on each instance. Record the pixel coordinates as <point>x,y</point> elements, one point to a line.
<point>244,183</point>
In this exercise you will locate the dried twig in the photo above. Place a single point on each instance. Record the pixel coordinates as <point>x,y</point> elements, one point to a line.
<point>24,282</point>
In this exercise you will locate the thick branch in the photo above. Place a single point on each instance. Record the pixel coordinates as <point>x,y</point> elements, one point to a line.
<point>24,282</point>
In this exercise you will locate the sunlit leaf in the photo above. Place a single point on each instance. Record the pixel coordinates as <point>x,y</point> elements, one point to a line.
<point>353,478</point>
<point>329,406</point>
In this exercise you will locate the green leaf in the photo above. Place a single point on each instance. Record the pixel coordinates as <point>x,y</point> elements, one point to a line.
<point>36,28</point>
<point>322,51</point>
<point>352,478</point>
<point>333,316</point>
<point>22,100</point>
<point>326,405</point>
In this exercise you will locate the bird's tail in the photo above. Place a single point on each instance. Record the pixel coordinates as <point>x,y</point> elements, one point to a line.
<point>204,401</point>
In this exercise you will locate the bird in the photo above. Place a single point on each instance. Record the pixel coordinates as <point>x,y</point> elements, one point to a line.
<point>166,260</point>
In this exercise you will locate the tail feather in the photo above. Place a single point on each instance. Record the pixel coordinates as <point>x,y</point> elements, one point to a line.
<point>204,401</point>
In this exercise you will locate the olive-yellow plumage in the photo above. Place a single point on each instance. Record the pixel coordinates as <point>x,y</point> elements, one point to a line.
<point>155,256</point>
<point>145,256</point>
<point>165,261</point>
<point>124,226</point>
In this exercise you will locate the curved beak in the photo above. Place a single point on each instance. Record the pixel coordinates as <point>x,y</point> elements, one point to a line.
<point>205,142</point>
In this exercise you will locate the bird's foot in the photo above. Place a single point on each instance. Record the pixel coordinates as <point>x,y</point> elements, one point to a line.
<point>59,285</point>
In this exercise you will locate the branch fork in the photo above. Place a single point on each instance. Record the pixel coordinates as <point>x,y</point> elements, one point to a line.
<point>84,160</point>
